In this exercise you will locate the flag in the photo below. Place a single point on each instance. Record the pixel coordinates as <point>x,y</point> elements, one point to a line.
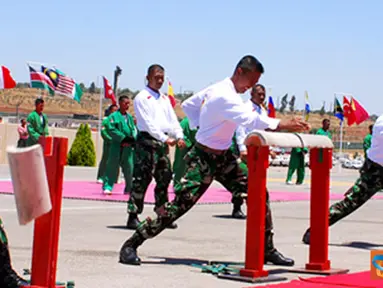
<point>171,94</point>
<point>348,112</point>
<point>6,80</point>
<point>283,103</point>
<point>108,91</point>
<point>360,113</point>
<point>271,108</point>
<point>64,85</point>
<point>307,106</point>
<point>41,81</point>
<point>338,111</point>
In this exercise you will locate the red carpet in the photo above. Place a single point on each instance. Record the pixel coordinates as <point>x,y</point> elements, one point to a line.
<point>353,280</point>
<point>93,191</point>
<point>360,280</point>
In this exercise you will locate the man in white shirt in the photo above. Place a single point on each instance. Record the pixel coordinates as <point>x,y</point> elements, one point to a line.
<point>367,185</point>
<point>222,111</point>
<point>158,128</point>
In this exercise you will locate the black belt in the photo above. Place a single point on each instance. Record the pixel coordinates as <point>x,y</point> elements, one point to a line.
<point>209,150</point>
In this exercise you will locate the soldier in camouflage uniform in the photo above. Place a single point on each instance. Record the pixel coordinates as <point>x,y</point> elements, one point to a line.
<point>367,185</point>
<point>158,129</point>
<point>8,276</point>
<point>221,113</point>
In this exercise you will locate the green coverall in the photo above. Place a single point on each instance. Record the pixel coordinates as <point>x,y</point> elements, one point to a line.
<point>123,133</point>
<point>367,144</point>
<point>179,162</point>
<point>105,150</point>
<point>36,128</point>
<point>325,133</point>
<point>297,162</point>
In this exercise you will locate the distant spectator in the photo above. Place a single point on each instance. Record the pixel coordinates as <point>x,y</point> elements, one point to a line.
<point>23,134</point>
<point>1,119</point>
<point>367,141</point>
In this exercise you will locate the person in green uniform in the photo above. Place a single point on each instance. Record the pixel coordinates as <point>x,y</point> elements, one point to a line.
<point>179,162</point>
<point>120,127</point>
<point>8,276</point>
<point>297,163</point>
<point>367,141</point>
<point>106,144</point>
<point>325,128</point>
<point>37,123</point>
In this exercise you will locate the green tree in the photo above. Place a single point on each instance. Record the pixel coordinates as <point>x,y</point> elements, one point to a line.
<point>82,152</point>
<point>83,88</point>
<point>92,88</point>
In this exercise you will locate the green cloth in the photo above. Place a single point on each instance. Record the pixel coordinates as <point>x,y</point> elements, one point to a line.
<point>36,128</point>
<point>179,162</point>
<point>105,150</point>
<point>367,144</point>
<point>118,127</point>
<point>324,133</point>
<point>297,163</point>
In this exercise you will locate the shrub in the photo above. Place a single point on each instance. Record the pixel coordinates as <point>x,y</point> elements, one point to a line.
<point>82,152</point>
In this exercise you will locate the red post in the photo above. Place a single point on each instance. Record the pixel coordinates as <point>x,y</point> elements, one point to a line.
<point>47,227</point>
<point>258,162</point>
<point>320,164</point>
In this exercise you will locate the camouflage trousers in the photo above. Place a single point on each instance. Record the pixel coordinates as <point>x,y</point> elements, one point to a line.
<point>369,182</point>
<point>202,169</point>
<point>151,160</point>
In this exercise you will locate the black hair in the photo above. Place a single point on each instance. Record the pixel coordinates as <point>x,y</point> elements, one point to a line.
<point>325,120</point>
<point>107,111</point>
<point>371,127</point>
<point>38,101</point>
<point>154,67</point>
<point>22,119</point>
<point>255,87</point>
<point>123,97</point>
<point>249,64</point>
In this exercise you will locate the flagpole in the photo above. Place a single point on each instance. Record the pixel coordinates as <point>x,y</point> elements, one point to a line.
<point>99,115</point>
<point>304,106</point>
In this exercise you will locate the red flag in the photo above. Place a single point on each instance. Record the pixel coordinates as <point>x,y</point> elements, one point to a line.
<point>171,94</point>
<point>108,91</point>
<point>6,80</point>
<point>271,108</point>
<point>360,113</point>
<point>348,111</point>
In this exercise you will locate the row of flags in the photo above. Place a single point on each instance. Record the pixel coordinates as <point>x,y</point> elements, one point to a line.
<point>57,82</point>
<point>352,110</point>
<point>54,81</point>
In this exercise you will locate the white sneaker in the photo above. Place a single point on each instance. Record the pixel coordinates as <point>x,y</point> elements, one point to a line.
<point>119,181</point>
<point>107,192</point>
<point>99,181</point>
<point>289,183</point>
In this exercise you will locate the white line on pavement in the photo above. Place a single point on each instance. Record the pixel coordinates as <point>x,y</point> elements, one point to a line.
<point>77,208</point>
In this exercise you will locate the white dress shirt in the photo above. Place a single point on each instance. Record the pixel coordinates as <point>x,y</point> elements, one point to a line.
<point>242,132</point>
<point>155,115</point>
<point>221,112</point>
<point>375,153</point>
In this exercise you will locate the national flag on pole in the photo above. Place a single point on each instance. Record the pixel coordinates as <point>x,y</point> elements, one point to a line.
<point>108,91</point>
<point>6,80</point>
<point>41,81</point>
<point>271,108</point>
<point>171,94</point>
<point>64,85</point>
<point>348,111</point>
<point>338,111</point>
<point>307,106</point>
<point>360,113</point>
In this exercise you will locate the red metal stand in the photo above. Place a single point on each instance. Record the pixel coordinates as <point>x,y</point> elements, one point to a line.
<point>258,162</point>
<point>320,165</point>
<point>47,227</point>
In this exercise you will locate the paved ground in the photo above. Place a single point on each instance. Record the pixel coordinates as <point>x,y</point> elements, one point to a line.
<point>92,234</point>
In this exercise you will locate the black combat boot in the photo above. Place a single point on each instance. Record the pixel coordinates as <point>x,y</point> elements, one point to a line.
<point>8,276</point>
<point>133,221</point>
<point>306,237</point>
<point>237,212</point>
<point>272,255</point>
<point>128,252</point>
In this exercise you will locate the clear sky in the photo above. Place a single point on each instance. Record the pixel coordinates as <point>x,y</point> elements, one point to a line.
<point>322,46</point>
